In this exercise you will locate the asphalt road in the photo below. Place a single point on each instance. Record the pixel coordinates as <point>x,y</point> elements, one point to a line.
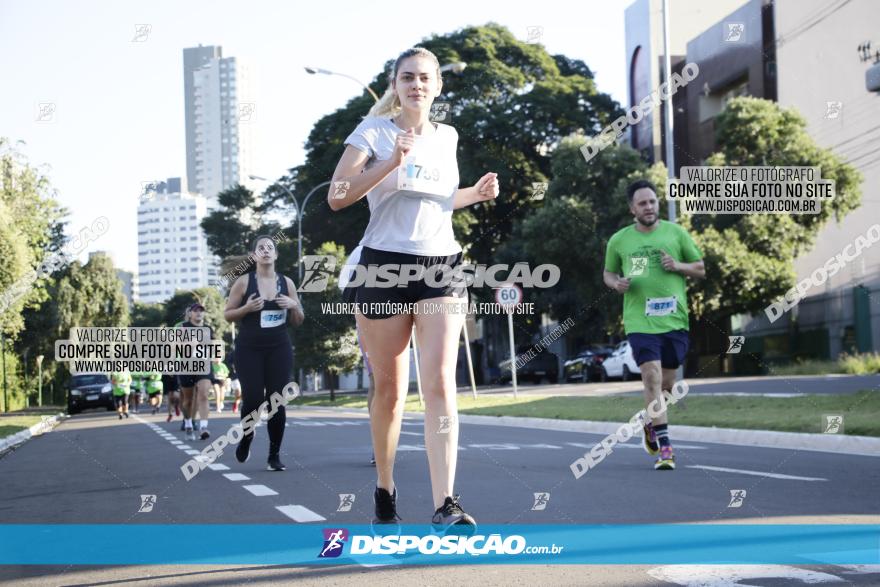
<point>94,469</point>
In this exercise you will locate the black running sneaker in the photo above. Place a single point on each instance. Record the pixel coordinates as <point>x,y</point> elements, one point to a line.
<point>205,435</point>
<point>386,506</point>
<point>275,464</point>
<point>450,514</point>
<point>243,450</point>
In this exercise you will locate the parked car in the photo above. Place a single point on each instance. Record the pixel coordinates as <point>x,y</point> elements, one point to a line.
<point>587,364</point>
<point>620,363</point>
<point>544,365</point>
<point>89,391</point>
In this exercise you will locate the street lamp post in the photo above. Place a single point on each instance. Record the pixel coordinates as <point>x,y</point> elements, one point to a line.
<point>314,70</point>
<point>40,375</point>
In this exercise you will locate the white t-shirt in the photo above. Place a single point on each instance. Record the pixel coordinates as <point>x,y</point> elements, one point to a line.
<point>417,221</point>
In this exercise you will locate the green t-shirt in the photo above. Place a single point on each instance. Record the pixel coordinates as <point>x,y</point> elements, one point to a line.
<point>656,301</point>
<point>153,381</point>
<point>120,380</point>
<point>220,370</point>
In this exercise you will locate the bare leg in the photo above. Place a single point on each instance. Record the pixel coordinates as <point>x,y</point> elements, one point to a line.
<point>438,335</point>
<point>387,343</point>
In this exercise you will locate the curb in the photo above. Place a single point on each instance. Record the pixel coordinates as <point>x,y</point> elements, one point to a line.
<point>866,446</point>
<point>37,429</point>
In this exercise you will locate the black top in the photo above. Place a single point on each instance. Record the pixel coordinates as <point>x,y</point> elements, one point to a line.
<point>268,326</point>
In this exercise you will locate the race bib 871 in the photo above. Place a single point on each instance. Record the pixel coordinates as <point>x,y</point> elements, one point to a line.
<point>660,306</point>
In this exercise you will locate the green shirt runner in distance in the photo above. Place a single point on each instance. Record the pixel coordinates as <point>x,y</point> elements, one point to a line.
<point>656,301</point>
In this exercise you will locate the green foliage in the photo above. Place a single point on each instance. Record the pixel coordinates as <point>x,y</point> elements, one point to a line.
<point>30,228</point>
<point>327,341</point>
<point>147,315</point>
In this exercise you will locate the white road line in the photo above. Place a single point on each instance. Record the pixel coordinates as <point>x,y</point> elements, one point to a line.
<point>184,447</point>
<point>756,473</point>
<point>236,477</point>
<point>298,513</point>
<point>411,433</point>
<point>218,467</point>
<point>260,490</point>
<point>192,452</point>
<point>175,442</point>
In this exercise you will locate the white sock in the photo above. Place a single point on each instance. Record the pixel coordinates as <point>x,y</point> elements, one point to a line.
<point>188,423</point>
<point>203,424</point>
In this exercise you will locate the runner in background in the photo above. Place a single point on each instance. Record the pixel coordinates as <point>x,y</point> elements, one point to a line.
<point>121,383</point>
<point>195,388</point>
<point>184,400</point>
<point>172,394</point>
<point>153,386</point>
<point>137,382</point>
<point>648,262</point>
<point>220,372</point>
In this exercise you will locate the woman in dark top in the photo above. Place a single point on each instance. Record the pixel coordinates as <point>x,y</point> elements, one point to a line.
<point>263,303</point>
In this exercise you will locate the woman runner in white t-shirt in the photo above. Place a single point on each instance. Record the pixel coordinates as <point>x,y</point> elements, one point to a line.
<point>410,224</point>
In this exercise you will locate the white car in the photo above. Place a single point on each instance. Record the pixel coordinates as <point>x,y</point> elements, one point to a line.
<point>620,364</point>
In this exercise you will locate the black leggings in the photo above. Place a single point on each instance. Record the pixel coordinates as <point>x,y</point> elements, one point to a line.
<point>263,371</point>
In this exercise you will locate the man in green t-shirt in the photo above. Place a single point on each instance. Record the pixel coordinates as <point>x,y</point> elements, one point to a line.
<point>647,262</point>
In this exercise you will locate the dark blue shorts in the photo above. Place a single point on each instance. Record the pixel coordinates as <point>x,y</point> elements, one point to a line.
<point>669,348</point>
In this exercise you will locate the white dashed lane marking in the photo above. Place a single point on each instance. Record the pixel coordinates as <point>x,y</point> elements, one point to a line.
<point>298,513</point>
<point>260,490</point>
<point>756,473</point>
<point>236,477</point>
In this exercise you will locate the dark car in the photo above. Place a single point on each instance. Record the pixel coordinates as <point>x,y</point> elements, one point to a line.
<point>544,365</point>
<point>587,364</point>
<point>89,391</point>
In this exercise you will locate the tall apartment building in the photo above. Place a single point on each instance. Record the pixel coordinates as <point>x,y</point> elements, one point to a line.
<point>172,249</point>
<point>220,116</point>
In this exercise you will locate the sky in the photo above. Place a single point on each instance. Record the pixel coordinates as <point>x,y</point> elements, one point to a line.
<point>118,114</point>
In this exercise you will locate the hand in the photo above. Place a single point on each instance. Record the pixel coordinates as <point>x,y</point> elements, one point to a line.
<point>621,285</point>
<point>285,302</point>
<point>403,145</point>
<point>487,187</point>
<point>254,303</point>
<point>668,262</point>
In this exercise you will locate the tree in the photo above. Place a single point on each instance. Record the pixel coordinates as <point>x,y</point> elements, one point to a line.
<point>147,315</point>
<point>570,227</point>
<point>327,341</point>
<point>30,229</point>
<point>90,295</point>
<point>214,304</point>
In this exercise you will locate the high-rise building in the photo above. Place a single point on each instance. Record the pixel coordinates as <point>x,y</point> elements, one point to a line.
<point>220,116</point>
<point>172,249</point>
